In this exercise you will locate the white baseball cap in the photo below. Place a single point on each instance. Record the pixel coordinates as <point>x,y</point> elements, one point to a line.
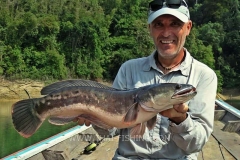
<point>181,13</point>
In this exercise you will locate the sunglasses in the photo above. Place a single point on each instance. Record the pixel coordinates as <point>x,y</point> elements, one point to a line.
<point>158,4</point>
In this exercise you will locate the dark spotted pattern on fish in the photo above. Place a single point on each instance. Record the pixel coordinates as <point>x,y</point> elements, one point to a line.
<point>102,105</point>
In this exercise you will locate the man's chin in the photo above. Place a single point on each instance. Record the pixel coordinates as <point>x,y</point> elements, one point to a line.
<point>168,54</point>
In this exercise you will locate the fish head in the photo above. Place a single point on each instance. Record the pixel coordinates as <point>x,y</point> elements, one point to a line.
<point>183,93</point>
<point>163,96</point>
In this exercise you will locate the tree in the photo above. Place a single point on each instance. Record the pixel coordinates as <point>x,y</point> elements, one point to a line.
<point>214,10</point>
<point>212,34</point>
<point>202,52</point>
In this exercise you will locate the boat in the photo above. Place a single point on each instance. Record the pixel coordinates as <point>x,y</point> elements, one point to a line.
<point>82,142</point>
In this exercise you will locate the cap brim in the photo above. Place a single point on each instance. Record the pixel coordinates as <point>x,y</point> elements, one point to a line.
<point>170,11</point>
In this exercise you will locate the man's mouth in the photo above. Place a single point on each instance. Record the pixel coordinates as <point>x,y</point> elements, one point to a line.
<point>166,42</point>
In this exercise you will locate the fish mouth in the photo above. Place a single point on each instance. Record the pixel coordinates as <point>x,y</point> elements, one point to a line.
<point>184,92</point>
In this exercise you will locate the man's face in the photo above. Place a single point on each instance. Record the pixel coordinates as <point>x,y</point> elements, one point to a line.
<point>169,35</point>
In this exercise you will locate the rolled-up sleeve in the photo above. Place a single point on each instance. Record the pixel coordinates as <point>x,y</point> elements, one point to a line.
<point>194,132</point>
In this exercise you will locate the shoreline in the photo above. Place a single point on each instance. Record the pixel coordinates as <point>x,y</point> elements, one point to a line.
<point>16,90</point>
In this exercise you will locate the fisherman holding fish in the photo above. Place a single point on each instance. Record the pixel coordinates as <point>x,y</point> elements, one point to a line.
<point>180,132</point>
<point>162,105</point>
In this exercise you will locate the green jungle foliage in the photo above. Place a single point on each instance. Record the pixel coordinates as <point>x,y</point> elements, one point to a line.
<point>48,39</point>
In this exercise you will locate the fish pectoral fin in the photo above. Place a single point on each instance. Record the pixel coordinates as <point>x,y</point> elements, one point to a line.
<point>60,120</point>
<point>132,113</point>
<point>96,121</point>
<point>148,109</point>
<point>151,123</point>
<point>138,130</point>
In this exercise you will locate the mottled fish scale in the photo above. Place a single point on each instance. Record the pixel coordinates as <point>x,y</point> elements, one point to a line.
<point>102,105</point>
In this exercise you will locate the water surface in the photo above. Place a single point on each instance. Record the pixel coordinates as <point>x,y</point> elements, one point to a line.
<point>235,103</point>
<point>11,141</point>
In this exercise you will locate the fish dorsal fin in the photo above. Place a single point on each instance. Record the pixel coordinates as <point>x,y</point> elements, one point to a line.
<point>71,83</point>
<point>132,113</point>
<point>60,120</point>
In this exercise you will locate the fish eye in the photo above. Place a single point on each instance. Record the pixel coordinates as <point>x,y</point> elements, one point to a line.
<point>178,86</point>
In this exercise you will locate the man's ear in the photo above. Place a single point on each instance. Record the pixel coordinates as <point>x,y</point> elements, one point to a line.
<point>189,27</point>
<point>149,29</point>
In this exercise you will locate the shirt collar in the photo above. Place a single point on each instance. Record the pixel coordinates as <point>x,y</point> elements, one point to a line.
<point>150,62</point>
<point>184,67</point>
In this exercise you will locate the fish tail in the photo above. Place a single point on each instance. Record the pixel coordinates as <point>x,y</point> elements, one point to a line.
<point>24,117</point>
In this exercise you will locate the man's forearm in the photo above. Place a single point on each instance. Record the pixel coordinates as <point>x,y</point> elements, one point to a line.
<point>190,135</point>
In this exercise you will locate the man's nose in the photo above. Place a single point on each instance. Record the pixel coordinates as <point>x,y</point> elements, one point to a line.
<point>166,31</point>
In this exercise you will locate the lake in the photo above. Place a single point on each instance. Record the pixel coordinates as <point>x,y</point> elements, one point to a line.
<point>235,103</point>
<point>11,141</point>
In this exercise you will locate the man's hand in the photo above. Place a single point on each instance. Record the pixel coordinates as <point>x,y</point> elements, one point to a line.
<point>177,114</point>
<point>82,121</point>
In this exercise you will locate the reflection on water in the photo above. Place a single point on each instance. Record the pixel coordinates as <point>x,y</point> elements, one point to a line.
<point>235,103</point>
<point>11,141</point>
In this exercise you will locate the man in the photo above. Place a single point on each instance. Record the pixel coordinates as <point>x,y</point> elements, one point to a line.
<point>180,132</point>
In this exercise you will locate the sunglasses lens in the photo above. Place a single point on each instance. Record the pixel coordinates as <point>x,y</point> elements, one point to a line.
<point>156,7</point>
<point>173,3</point>
<point>158,4</point>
